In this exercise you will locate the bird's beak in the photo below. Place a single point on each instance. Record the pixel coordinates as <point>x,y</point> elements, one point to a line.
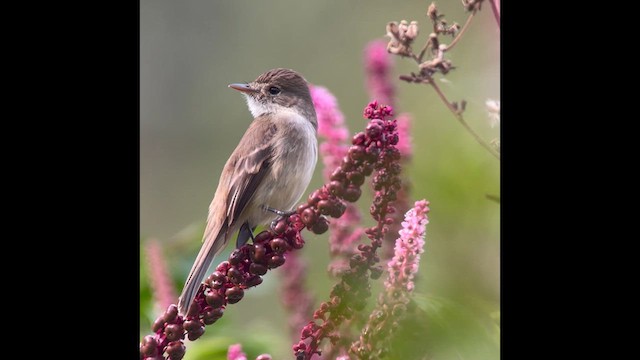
<point>243,87</point>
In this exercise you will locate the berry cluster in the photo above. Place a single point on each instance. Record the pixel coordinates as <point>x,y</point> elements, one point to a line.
<point>372,150</point>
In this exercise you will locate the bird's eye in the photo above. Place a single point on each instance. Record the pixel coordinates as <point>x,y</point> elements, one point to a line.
<point>274,90</point>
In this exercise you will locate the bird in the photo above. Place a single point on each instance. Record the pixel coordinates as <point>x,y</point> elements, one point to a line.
<point>266,174</point>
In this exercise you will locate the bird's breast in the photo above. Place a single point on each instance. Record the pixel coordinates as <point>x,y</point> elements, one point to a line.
<point>294,160</point>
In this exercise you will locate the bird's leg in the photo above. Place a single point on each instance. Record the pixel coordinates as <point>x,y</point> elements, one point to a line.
<point>244,234</point>
<point>280,213</point>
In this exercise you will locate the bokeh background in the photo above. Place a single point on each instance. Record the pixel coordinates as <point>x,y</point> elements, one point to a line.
<point>190,122</point>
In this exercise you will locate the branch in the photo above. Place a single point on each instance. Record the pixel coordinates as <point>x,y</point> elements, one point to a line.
<point>458,116</point>
<point>455,40</point>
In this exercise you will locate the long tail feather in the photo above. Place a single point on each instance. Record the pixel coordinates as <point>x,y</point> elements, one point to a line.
<point>212,246</point>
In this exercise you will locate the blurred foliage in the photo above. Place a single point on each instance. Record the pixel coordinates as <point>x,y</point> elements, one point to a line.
<point>190,122</point>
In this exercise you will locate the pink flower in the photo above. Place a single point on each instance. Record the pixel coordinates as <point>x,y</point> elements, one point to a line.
<point>158,275</point>
<point>344,231</point>
<point>235,353</point>
<point>404,264</point>
<point>404,135</point>
<point>402,268</point>
<point>331,127</point>
<point>378,64</point>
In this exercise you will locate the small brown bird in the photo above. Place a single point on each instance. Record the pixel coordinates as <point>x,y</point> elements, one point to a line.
<point>268,171</point>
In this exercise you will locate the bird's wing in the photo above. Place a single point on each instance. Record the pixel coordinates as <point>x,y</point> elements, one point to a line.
<point>250,166</point>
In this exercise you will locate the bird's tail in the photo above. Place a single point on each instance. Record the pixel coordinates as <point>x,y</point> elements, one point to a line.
<point>213,244</point>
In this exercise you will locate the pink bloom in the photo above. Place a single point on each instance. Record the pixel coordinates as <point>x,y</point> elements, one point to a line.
<point>399,285</point>
<point>235,353</point>
<point>158,275</point>
<point>409,246</point>
<point>331,127</point>
<point>343,231</point>
<point>378,64</point>
<point>404,137</point>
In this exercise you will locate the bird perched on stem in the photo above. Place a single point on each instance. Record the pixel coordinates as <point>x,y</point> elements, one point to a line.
<point>268,171</point>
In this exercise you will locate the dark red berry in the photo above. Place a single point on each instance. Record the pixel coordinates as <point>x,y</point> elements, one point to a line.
<point>171,313</point>
<point>223,267</point>
<point>352,193</point>
<point>275,261</point>
<point>321,226</point>
<point>158,324</point>
<point>236,257</point>
<point>196,333</point>
<point>214,299</point>
<point>257,269</point>
<point>281,227</point>
<point>337,209</point>
<point>279,245</point>
<point>336,188</point>
<point>212,316</point>
<point>191,325</point>
<point>235,275</point>
<point>174,332</point>
<point>253,281</point>
<point>262,237</point>
<point>356,152</point>
<point>234,294</point>
<point>216,279</point>
<point>257,253</point>
<point>337,174</point>
<point>308,217</point>
<point>175,350</point>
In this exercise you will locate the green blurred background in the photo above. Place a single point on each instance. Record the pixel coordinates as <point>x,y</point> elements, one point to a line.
<point>190,122</point>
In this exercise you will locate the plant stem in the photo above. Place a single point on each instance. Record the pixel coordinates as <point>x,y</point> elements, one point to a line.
<point>495,198</point>
<point>466,25</point>
<point>495,6</point>
<point>458,116</point>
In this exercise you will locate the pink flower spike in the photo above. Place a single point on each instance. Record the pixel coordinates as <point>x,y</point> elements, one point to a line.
<point>404,135</point>
<point>398,286</point>
<point>331,127</point>
<point>159,275</point>
<point>235,353</point>
<point>404,264</point>
<point>378,64</point>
